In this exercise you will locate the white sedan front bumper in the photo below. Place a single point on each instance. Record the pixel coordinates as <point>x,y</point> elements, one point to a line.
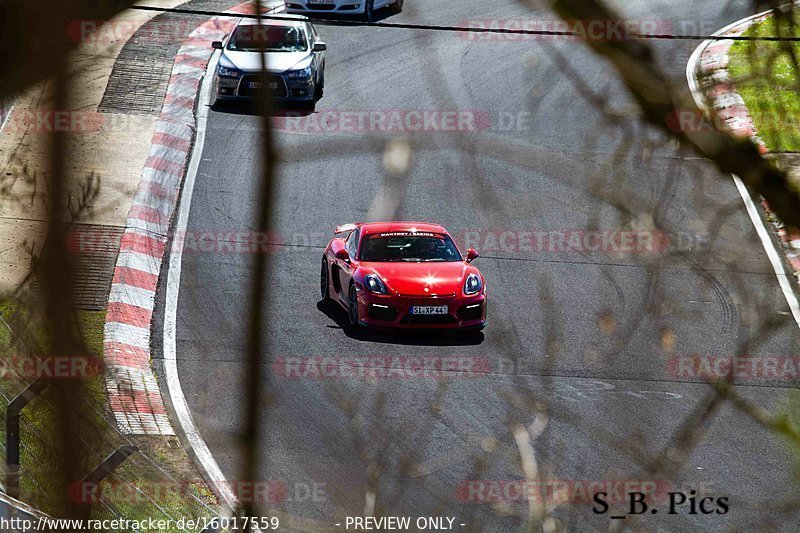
<point>342,7</point>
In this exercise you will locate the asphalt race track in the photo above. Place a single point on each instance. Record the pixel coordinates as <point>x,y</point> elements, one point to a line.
<point>592,332</point>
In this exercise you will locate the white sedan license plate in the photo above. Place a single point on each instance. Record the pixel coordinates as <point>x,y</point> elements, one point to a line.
<point>429,310</point>
<point>320,1</point>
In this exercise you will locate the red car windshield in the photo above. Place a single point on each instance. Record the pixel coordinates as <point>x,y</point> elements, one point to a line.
<point>412,247</point>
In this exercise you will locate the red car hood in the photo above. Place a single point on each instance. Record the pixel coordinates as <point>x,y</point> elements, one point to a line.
<point>412,279</point>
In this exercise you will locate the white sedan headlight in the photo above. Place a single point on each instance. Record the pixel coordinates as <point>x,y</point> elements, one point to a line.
<point>300,74</point>
<point>227,72</point>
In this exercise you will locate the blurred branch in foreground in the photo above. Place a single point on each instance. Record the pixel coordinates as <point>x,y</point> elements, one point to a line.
<point>660,102</point>
<point>34,36</point>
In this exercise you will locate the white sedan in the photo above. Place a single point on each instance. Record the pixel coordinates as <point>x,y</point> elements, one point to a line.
<point>365,8</point>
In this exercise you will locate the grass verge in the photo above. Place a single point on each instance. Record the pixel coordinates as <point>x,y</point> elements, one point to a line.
<point>157,482</point>
<point>768,79</point>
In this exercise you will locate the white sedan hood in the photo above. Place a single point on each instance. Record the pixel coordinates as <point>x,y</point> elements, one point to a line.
<point>277,62</point>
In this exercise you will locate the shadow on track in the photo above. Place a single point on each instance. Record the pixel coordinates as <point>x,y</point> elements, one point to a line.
<point>422,337</point>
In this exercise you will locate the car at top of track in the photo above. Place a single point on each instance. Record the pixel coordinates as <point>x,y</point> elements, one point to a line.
<point>294,56</point>
<point>365,8</point>
<point>403,275</point>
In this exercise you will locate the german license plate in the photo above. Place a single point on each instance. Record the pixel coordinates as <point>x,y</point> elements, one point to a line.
<point>260,85</point>
<point>429,310</point>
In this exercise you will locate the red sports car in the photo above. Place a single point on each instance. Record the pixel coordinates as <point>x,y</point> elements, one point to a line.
<point>403,275</point>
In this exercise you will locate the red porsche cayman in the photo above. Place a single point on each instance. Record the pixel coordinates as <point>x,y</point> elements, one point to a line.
<point>403,275</point>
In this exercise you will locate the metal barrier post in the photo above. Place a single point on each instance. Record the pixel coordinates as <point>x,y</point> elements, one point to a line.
<point>90,482</point>
<point>13,411</point>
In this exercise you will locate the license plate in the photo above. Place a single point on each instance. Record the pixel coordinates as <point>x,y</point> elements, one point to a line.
<point>429,310</point>
<point>320,2</point>
<point>260,85</point>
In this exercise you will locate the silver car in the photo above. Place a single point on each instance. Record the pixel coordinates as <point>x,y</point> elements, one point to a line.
<point>365,8</point>
<point>294,57</point>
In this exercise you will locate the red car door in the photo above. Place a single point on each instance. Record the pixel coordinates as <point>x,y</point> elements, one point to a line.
<point>347,268</point>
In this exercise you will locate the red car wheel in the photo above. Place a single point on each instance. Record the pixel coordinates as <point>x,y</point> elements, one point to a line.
<point>324,286</point>
<point>352,311</point>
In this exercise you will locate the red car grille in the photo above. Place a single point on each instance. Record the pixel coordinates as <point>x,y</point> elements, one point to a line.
<point>428,319</point>
<point>427,296</point>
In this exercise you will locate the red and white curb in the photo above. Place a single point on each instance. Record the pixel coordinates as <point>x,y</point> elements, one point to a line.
<point>133,391</point>
<point>711,79</point>
<point>711,72</point>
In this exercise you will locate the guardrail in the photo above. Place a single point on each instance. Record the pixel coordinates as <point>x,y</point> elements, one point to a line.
<point>123,481</point>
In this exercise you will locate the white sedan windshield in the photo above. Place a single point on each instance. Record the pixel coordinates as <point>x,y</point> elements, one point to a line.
<point>270,38</point>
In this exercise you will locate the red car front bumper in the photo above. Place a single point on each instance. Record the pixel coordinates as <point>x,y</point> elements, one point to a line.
<point>464,312</point>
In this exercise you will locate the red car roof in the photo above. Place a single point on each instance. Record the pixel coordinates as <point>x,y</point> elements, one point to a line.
<point>389,227</point>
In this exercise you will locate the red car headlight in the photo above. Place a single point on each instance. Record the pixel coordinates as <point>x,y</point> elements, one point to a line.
<point>375,284</point>
<point>473,284</point>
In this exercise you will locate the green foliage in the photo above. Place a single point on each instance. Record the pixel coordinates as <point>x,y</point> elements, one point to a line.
<point>768,79</point>
<point>139,488</point>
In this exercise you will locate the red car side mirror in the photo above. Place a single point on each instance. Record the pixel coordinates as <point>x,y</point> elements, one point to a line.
<point>472,253</point>
<point>342,255</point>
